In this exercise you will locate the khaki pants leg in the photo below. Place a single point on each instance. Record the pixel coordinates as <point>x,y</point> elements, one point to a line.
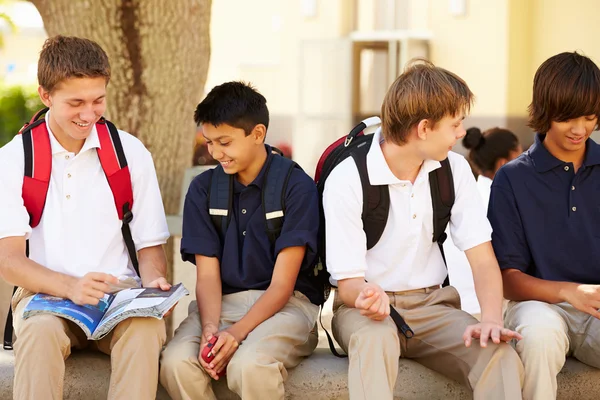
<point>259,366</point>
<point>41,377</point>
<point>584,334</point>
<point>544,346</point>
<point>373,351</point>
<point>278,343</point>
<point>180,372</point>
<point>134,346</point>
<point>493,372</point>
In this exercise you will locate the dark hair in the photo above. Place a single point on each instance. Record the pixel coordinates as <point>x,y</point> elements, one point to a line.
<point>64,57</point>
<point>487,147</point>
<point>237,104</point>
<point>565,86</point>
<point>423,91</point>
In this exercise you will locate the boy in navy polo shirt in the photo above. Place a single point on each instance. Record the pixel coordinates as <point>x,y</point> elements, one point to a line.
<point>255,297</point>
<point>544,210</point>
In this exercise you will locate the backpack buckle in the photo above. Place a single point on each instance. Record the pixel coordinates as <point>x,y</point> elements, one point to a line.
<point>348,141</point>
<point>127,216</point>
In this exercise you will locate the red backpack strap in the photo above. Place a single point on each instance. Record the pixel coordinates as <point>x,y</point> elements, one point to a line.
<point>38,165</point>
<point>114,164</point>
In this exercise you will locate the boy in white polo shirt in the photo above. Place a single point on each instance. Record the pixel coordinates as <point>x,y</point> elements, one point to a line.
<point>78,249</point>
<point>422,117</point>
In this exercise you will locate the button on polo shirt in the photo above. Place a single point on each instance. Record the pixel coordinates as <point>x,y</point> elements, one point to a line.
<point>546,217</point>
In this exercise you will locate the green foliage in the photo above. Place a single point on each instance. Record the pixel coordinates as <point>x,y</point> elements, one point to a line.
<point>17,106</point>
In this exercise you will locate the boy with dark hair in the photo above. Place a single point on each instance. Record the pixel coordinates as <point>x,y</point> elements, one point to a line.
<point>77,249</point>
<point>253,290</point>
<point>544,212</point>
<point>422,116</point>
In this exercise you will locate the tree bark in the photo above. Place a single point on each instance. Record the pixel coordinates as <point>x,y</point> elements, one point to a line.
<point>159,52</point>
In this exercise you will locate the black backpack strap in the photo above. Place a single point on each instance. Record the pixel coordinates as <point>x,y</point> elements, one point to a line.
<point>8,327</point>
<point>127,214</point>
<point>376,199</point>
<point>442,198</point>
<point>220,200</point>
<point>277,175</point>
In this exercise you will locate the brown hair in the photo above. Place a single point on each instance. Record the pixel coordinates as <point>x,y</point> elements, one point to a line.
<point>423,91</point>
<point>565,86</point>
<point>64,57</point>
<point>486,148</point>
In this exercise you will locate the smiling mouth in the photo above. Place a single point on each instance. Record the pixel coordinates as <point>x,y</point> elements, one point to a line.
<point>226,163</point>
<point>81,124</point>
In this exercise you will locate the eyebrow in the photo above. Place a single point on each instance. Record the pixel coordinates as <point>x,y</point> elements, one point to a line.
<point>218,138</point>
<point>76,99</point>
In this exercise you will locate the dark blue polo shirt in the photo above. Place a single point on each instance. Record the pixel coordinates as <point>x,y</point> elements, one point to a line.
<point>246,258</point>
<point>546,217</point>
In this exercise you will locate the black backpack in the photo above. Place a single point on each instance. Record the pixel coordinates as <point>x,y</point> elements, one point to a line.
<point>376,202</point>
<point>376,199</point>
<point>277,175</point>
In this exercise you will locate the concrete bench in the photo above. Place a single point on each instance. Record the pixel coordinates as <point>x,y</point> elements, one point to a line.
<point>319,377</point>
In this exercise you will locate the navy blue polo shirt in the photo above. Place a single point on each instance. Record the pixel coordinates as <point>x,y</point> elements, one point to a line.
<point>546,217</point>
<point>246,258</point>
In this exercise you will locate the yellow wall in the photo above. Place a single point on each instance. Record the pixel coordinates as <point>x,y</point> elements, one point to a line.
<point>260,42</point>
<point>475,47</point>
<point>520,77</point>
<point>565,25</point>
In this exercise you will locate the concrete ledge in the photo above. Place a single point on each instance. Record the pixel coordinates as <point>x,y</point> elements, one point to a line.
<point>319,377</point>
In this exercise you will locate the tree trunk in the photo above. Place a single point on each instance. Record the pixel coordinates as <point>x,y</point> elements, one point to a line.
<point>159,52</point>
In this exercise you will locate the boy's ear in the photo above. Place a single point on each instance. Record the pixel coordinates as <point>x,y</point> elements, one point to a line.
<point>44,96</point>
<point>423,128</point>
<point>260,133</point>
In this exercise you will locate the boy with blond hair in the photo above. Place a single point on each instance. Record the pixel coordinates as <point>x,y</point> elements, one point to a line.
<point>422,116</point>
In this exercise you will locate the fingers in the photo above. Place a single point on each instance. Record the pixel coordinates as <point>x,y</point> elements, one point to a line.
<point>506,335</point>
<point>102,277</point>
<point>593,312</point>
<point>364,302</point>
<point>224,348</point>
<point>495,335</point>
<point>164,285</point>
<point>472,331</point>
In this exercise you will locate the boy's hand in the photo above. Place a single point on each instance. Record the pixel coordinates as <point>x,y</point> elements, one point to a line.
<point>585,298</point>
<point>489,330</point>
<point>160,283</point>
<point>208,331</point>
<point>373,302</point>
<point>91,288</point>
<point>226,346</point>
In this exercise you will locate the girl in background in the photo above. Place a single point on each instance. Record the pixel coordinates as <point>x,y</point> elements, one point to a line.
<point>488,151</point>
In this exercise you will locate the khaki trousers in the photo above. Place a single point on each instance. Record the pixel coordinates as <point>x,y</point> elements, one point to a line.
<point>43,343</point>
<point>551,332</point>
<point>259,366</point>
<point>374,347</point>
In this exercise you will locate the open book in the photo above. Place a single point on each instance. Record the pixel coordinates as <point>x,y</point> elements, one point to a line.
<point>97,321</point>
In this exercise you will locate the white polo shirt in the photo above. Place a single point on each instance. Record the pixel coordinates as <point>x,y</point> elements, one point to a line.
<point>80,230</point>
<point>405,257</point>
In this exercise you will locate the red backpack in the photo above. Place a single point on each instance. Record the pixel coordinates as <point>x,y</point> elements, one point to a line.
<point>36,181</point>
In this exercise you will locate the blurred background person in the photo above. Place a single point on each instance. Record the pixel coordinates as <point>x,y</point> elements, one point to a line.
<point>488,151</point>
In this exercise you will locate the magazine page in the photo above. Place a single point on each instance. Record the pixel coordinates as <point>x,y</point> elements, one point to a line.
<point>87,316</point>
<point>143,302</point>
